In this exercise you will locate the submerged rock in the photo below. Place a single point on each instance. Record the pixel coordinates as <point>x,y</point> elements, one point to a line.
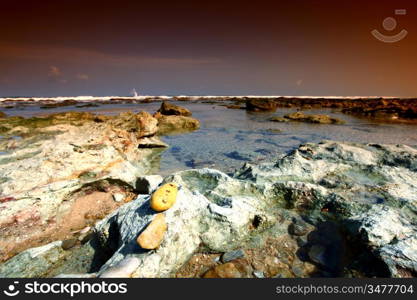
<point>279,119</point>
<point>234,106</point>
<point>320,119</point>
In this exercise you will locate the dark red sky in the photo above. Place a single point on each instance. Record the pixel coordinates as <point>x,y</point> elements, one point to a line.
<point>52,48</point>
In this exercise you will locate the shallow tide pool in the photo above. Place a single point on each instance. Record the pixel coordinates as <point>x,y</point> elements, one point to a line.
<point>230,137</point>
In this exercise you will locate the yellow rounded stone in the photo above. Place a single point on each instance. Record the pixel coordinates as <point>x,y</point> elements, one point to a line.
<point>164,197</point>
<point>153,235</point>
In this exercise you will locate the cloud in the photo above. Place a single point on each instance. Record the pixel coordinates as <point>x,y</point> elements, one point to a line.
<point>86,56</point>
<point>82,77</point>
<point>56,75</point>
<point>299,82</point>
<point>54,72</point>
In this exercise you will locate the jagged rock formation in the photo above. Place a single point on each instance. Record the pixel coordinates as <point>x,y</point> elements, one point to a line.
<point>328,209</point>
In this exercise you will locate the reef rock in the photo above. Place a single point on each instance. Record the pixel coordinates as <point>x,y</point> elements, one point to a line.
<point>175,124</point>
<point>327,209</point>
<point>261,105</point>
<point>329,183</point>
<point>320,119</point>
<point>169,109</point>
<point>60,173</point>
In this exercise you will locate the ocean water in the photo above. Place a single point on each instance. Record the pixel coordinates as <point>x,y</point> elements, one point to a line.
<point>230,137</point>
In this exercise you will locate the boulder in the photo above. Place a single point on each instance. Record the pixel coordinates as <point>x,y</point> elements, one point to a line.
<point>176,124</point>
<point>169,109</point>
<point>148,125</point>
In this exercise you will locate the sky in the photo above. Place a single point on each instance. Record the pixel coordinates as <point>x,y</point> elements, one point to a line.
<point>297,47</point>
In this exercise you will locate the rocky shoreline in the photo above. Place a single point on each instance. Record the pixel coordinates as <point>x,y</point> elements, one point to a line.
<point>76,198</point>
<point>384,108</point>
<point>62,172</point>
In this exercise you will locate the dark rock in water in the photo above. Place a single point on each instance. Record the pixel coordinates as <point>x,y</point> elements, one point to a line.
<point>261,105</point>
<point>229,256</point>
<point>263,151</point>
<point>88,105</point>
<point>169,109</point>
<point>233,106</point>
<point>59,104</point>
<point>192,163</point>
<point>319,119</point>
<point>236,155</point>
<point>279,119</point>
<point>2,115</point>
<point>175,149</point>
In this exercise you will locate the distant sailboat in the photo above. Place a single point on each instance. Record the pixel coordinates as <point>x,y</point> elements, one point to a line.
<point>134,93</point>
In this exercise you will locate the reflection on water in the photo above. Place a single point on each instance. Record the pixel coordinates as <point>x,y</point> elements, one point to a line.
<point>229,137</point>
